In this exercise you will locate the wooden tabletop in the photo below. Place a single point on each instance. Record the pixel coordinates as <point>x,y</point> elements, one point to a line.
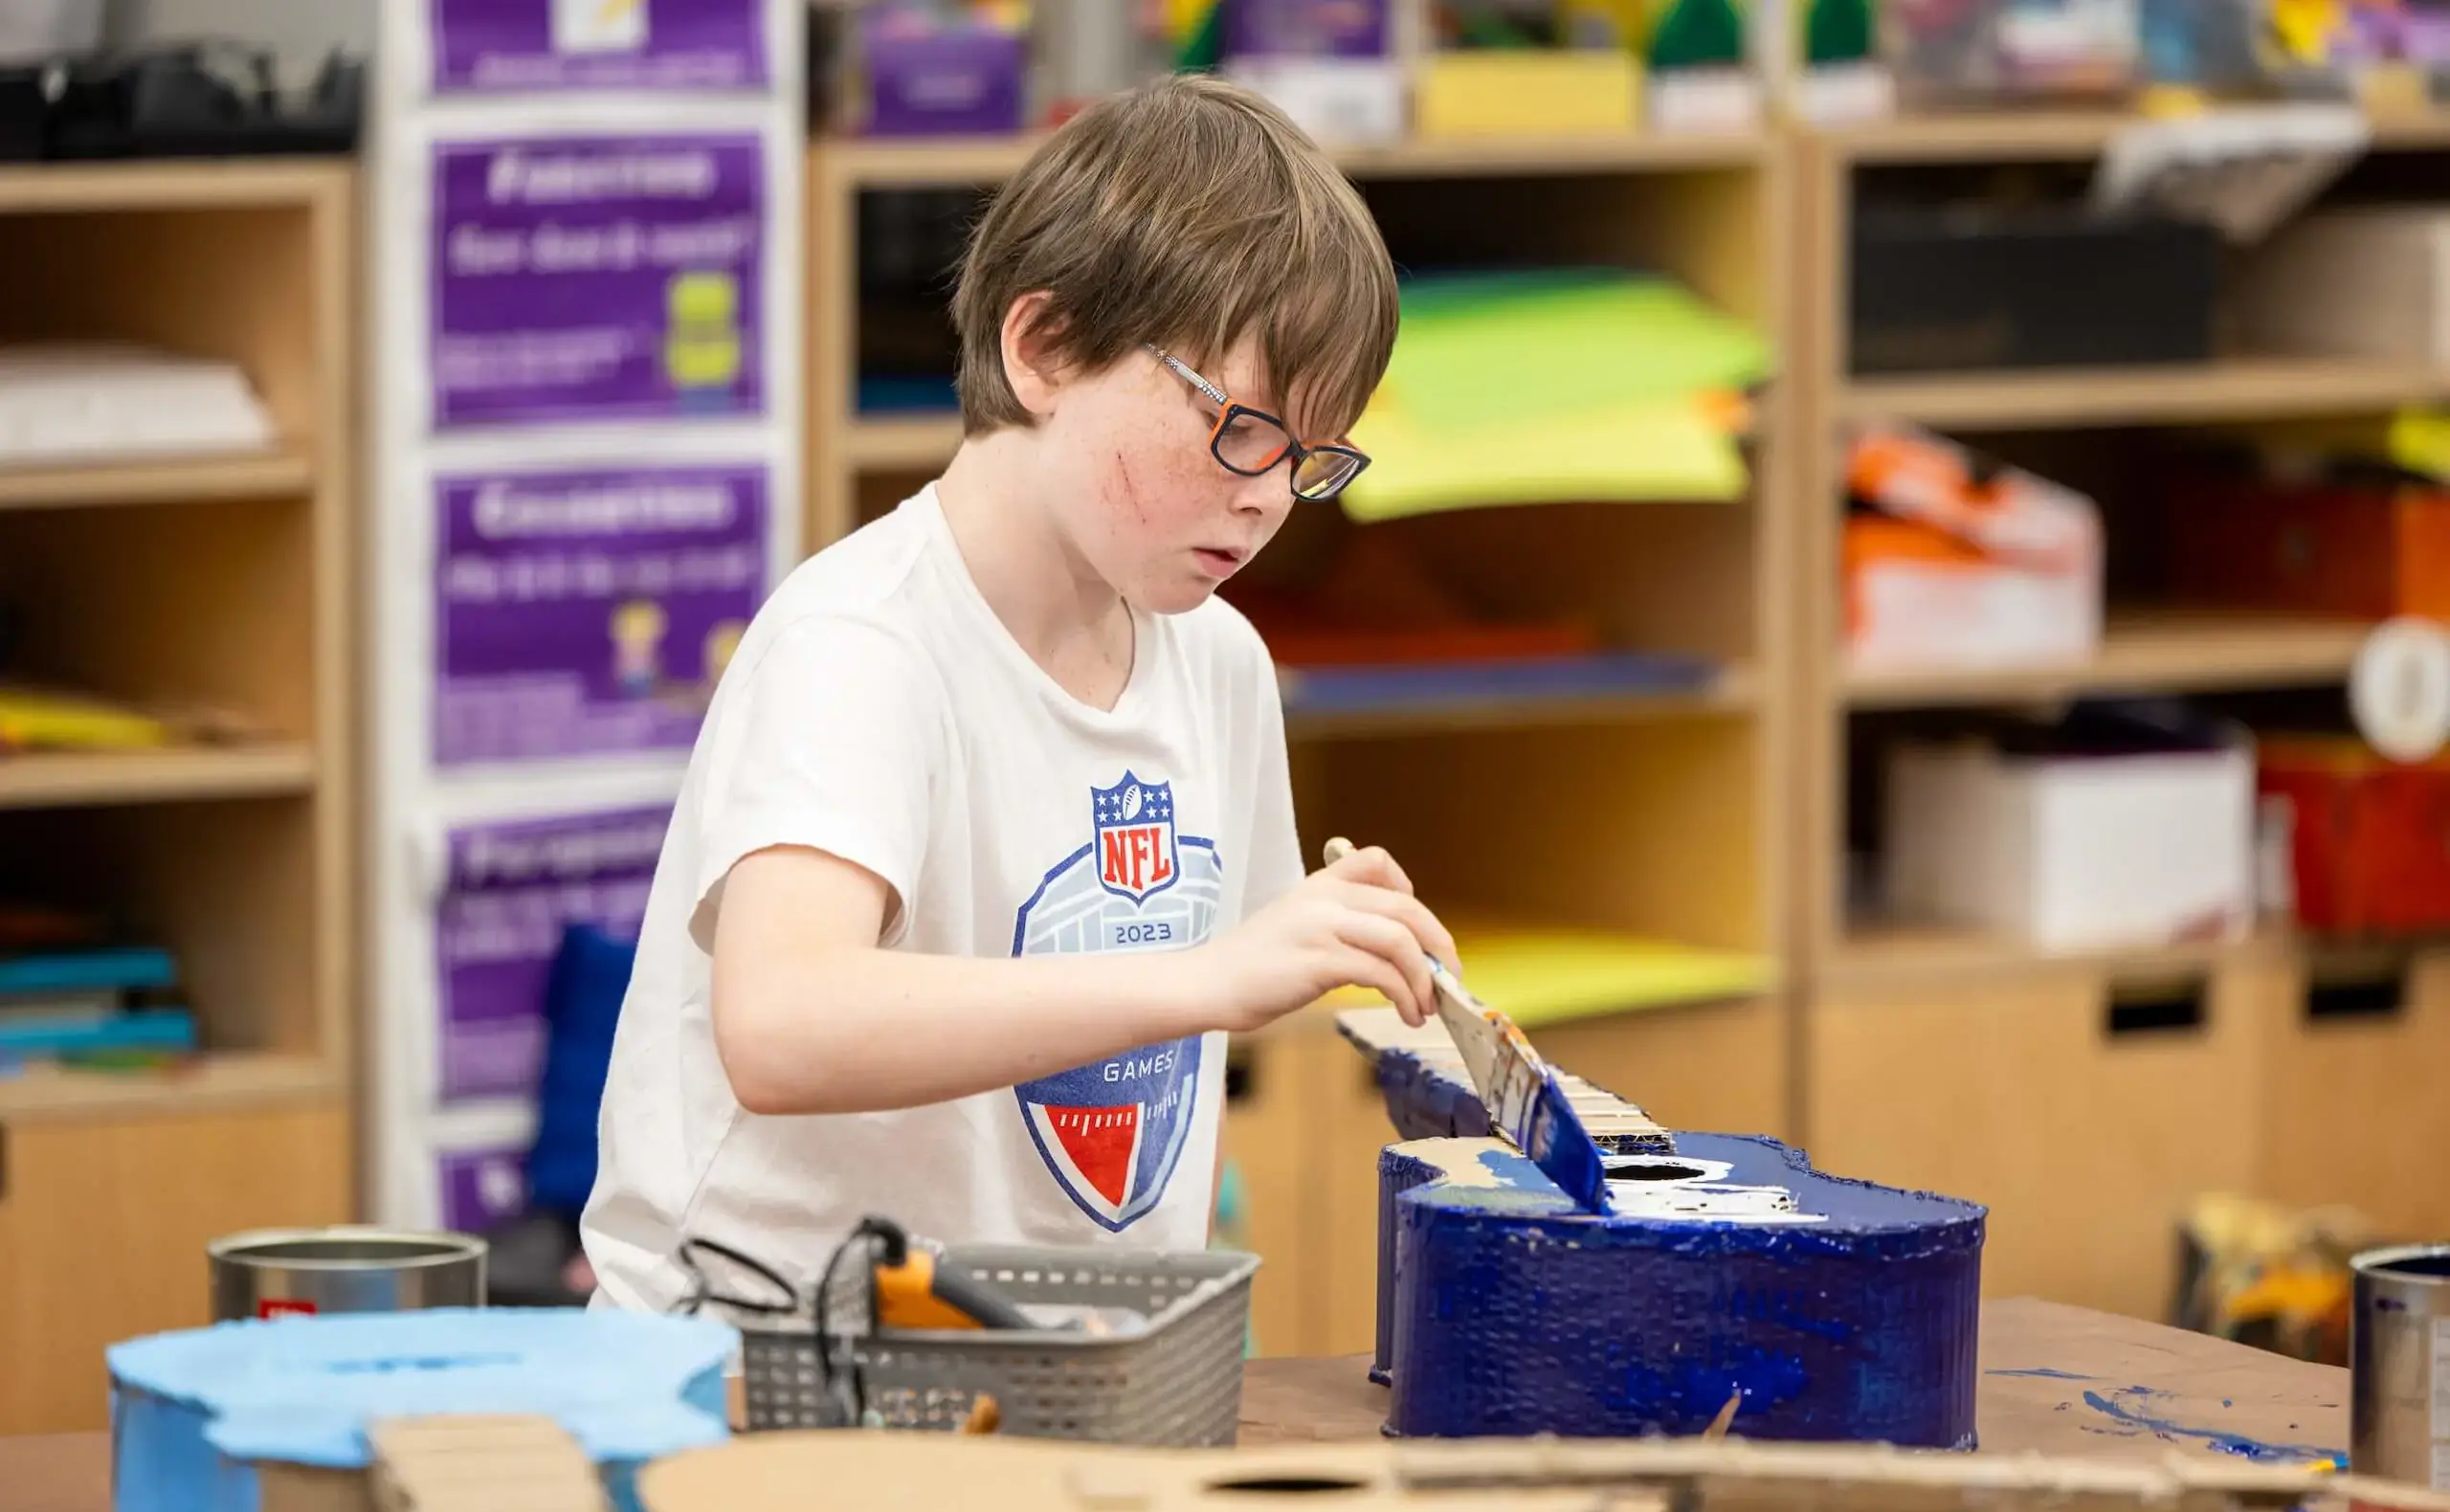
<point>2054,1380</point>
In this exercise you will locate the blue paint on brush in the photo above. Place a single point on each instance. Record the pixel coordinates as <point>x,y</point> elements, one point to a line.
<point>1563,1149</point>
<point>2254,1450</point>
<point>2047,1374</point>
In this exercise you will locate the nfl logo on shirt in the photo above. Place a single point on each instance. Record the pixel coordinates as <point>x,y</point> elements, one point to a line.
<point>1111,1132</point>
<point>1135,837</point>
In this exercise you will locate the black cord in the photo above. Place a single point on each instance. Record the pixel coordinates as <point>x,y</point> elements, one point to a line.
<point>896,1247</point>
<point>701,1289</point>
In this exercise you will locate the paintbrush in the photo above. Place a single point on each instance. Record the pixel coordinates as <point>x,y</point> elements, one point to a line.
<point>1526,1101</point>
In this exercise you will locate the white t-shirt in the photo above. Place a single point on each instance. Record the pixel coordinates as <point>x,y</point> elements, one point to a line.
<point>878,709</point>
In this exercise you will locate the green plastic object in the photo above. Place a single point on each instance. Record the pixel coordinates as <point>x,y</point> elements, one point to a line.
<point>1837,31</point>
<point>1205,47</point>
<point>1698,33</point>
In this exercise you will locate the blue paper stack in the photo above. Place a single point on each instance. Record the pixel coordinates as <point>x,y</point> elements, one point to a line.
<point>83,1003</point>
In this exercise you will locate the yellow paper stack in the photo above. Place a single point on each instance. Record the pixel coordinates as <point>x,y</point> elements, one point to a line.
<point>1556,387</point>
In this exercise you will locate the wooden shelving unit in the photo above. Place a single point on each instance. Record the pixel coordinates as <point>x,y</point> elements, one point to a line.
<point>58,779</point>
<point>2140,652</point>
<point>1657,814</point>
<point>221,582</point>
<point>196,479</point>
<point>1989,1067</point>
<point>2243,388</point>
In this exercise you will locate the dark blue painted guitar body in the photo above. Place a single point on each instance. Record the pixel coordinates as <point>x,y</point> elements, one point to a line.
<point>1829,1310</point>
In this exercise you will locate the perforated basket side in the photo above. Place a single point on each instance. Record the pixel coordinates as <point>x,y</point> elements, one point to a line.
<point>1177,1382</point>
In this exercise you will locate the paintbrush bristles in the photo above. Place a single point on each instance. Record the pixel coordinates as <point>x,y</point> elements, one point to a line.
<point>1527,1105</point>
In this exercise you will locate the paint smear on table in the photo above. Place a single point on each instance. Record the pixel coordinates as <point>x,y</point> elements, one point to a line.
<point>2131,1405</point>
<point>2045,1372</point>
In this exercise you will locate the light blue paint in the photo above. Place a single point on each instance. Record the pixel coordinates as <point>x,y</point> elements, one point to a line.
<point>201,1407</point>
<point>2244,1448</point>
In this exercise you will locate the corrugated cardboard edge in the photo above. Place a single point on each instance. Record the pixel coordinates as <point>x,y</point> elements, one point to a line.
<point>774,1472</point>
<point>480,1462</point>
<point>448,1462</point>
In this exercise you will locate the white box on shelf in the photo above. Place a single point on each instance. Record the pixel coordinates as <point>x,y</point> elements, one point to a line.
<point>1339,101</point>
<point>1964,563</point>
<point>1924,615</point>
<point>2371,281</point>
<point>2073,851</point>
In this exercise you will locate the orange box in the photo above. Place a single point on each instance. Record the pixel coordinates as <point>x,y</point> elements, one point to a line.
<point>2364,551</point>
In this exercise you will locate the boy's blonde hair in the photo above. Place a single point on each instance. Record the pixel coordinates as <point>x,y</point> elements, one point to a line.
<point>1188,213</point>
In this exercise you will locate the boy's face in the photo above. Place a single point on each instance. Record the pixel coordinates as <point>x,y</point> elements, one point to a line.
<point>1138,489</point>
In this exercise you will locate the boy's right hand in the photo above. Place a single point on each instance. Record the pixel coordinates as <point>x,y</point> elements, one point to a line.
<point>1355,923</point>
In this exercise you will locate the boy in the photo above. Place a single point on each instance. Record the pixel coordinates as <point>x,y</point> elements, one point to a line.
<point>988,838</point>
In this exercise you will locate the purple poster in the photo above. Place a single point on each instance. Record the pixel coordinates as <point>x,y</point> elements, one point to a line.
<point>581,614</point>
<point>510,891</point>
<point>481,1189</point>
<point>598,279</point>
<point>598,44</point>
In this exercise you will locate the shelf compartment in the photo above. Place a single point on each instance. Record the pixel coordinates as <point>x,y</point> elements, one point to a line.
<point>64,779</point>
<point>230,887</point>
<point>2234,388</point>
<point>159,480</point>
<point>2164,650</point>
<point>1648,829</point>
<point>874,163</point>
<point>171,607</point>
<point>206,272</point>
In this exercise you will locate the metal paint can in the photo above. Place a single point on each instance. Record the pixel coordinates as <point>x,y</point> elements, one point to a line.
<point>274,1272</point>
<point>2399,1366</point>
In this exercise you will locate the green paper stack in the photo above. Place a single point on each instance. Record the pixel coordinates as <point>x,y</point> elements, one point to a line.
<point>1556,387</point>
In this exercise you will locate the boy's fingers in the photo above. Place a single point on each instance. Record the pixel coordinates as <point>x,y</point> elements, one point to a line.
<point>1371,864</point>
<point>1428,934</point>
<point>1392,941</point>
<point>1364,966</point>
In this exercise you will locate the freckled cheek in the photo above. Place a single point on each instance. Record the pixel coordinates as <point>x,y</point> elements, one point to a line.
<point>1159,487</point>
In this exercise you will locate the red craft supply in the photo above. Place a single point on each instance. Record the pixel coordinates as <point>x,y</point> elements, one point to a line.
<point>2368,837</point>
<point>2364,551</point>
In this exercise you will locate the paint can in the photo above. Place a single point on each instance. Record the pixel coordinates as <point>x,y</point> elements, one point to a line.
<point>2399,1365</point>
<point>276,1272</point>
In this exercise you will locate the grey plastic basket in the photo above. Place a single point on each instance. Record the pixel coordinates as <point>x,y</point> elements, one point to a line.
<point>1178,1381</point>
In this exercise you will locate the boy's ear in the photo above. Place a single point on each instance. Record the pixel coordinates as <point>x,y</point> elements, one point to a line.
<point>1033,365</point>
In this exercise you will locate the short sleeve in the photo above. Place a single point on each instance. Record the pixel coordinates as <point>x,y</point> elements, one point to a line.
<point>1276,865</point>
<point>831,744</point>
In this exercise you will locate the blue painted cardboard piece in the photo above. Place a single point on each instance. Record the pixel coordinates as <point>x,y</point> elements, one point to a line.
<point>195,1412</point>
<point>1827,1308</point>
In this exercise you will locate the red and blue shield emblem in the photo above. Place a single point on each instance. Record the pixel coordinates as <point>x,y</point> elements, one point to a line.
<point>1133,836</point>
<point>1112,1131</point>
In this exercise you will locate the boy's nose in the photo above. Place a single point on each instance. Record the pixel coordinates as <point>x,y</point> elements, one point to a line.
<point>1268,492</point>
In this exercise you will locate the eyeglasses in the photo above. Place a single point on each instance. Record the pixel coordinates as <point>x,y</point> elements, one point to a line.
<point>1250,441</point>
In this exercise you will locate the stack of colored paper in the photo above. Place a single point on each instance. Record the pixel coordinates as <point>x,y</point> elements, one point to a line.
<point>1556,385</point>
<point>1539,975</point>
